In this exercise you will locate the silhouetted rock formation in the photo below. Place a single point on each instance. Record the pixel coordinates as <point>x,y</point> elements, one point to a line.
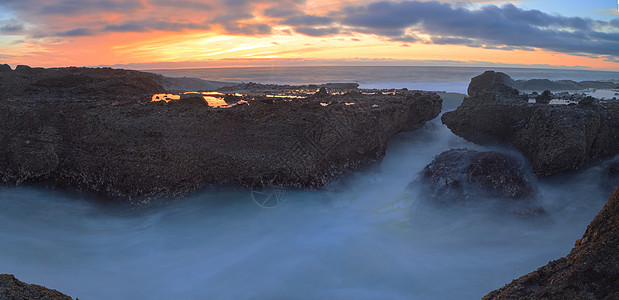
<point>5,68</point>
<point>13,289</point>
<point>590,271</point>
<point>555,138</point>
<point>489,78</point>
<point>124,146</point>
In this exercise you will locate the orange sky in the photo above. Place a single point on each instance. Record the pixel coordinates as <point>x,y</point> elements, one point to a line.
<point>264,32</point>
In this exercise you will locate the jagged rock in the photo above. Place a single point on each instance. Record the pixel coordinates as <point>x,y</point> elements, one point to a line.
<point>5,68</point>
<point>466,177</point>
<point>124,146</point>
<point>322,92</point>
<point>22,68</point>
<point>489,80</point>
<point>586,101</point>
<point>69,83</point>
<point>13,289</point>
<point>544,98</point>
<point>554,138</point>
<point>589,271</point>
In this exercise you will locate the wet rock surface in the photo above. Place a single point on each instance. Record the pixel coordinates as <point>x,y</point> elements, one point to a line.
<point>13,289</point>
<point>63,132</point>
<point>464,177</point>
<point>589,271</point>
<point>554,138</point>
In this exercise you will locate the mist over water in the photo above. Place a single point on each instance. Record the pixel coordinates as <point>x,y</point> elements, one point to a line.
<point>364,237</point>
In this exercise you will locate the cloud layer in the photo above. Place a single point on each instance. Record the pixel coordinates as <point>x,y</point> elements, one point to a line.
<point>429,22</point>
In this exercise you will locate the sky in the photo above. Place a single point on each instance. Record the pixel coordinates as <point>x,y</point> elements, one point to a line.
<point>146,34</point>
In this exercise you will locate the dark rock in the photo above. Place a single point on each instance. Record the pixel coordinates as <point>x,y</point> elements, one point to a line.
<point>193,99</point>
<point>5,68</point>
<point>554,138</point>
<point>466,177</point>
<point>587,101</point>
<point>589,271</point>
<point>321,92</point>
<point>11,288</point>
<point>22,68</point>
<point>545,84</point>
<point>559,85</point>
<point>544,98</point>
<point>67,83</point>
<point>124,146</point>
<point>341,85</point>
<point>598,84</point>
<point>230,98</point>
<point>488,80</point>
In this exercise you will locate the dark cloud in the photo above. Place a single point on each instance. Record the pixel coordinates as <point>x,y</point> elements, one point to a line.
<point>452,40</point>
<point>76,32</point>
<point>195,5</point>
<point>317,31</point>
<point>498,27</point>
<point>248,29</point>
<point>491,25</point>
<point>11,27</point>
<point>72,7</point>
<point>307,20</point>
<point>125,27</point>
<point>281,12</point>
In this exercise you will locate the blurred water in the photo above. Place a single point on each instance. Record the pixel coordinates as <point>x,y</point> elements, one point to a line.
<point>357,239</point>
<point>450,79</point>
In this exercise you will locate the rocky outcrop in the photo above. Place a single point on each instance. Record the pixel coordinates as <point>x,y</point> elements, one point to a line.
<point>489,80</point>
<point>85,83</point>
<point>464,177</point>
<point>554,138</point>
<point>5,68</point>
<point>590,271</point>
<point>130,148</point>
<point>13,289</point>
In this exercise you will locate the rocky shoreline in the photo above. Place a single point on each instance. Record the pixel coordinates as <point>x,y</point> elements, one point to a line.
<point>97,130</point>
<point>554,138</point>
<point>590,271</point>
<point>13,289</point>
<point>106,131</point>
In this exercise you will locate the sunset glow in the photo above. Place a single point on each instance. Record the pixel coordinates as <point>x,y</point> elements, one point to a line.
<point>191,33</point>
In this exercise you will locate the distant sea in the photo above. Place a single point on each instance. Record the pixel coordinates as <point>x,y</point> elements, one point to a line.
<point>450,79</point>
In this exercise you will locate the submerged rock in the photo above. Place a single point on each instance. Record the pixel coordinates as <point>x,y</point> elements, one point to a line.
<point>590,271</point>
<point>466,177</point>
<point>11,288</point>
<point>554,138</point>
<point>124,146</point>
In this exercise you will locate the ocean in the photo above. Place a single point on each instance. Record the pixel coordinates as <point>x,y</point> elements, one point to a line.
<point>449,79</point>
<point>363,237</point>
